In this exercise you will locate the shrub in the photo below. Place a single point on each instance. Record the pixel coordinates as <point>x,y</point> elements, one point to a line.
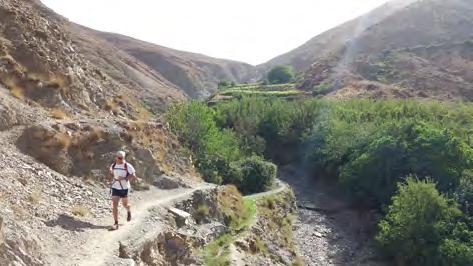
<point>322,88</point>
<point>35,197</point>
<point>412,148</point>
<point>281,74</point>
<point>456,252</point>
<point>256,174</point>
<point>223,84</point>
<point>58,113</point>
<point>464,192</point>
<point>14,85</point>
<point>416,223</point>
<point>80,210</point>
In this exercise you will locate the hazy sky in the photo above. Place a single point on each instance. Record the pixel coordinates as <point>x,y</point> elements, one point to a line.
<point>252,31</point>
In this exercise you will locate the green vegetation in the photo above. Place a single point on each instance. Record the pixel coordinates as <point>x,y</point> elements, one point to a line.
<point>281,74</point>
<point>219,157</point>
<point>423,227</point>
<point>322,89</point>
<point>276,217</point>
<point>225,84</point>
<point>259,89</point>
<point>216,253</point>
<point>252,175</point>
<point>369,148</point>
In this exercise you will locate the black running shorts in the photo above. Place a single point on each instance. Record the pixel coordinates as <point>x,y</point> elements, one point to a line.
<point>122,193</point>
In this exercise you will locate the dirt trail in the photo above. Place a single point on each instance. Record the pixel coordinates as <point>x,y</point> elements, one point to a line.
<point>99,245</point>
<point>327,230</point>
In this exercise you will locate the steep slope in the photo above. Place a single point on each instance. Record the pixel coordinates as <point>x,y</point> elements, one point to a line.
<point>333,40</point>
<point>196,74</point>
<point>43,61</point>
<point>66,106</point>
<point>402,49</point>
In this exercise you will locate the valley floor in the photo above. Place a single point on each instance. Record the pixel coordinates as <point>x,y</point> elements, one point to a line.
<point>327,230</point>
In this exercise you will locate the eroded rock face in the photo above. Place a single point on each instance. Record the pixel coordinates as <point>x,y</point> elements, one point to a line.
<point>20,248</point>
<point>7,117</point>
<point>203,206</point>
<point>166,248</point>
<point>87,148</point>
<point>14,112</point>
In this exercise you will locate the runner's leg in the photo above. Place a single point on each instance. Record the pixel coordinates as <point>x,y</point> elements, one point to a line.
<point>126,204</point>
<point>115,201</point>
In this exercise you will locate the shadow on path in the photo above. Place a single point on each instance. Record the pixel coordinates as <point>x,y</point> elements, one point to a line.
<point>72,224</point>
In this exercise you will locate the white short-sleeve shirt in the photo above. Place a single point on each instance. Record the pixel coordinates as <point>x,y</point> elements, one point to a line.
<point>120,171</point>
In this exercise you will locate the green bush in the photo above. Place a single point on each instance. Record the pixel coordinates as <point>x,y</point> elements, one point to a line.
<point>195,125</point>
<point>412,148</point>
<point>417,223</point>
<point>253,174</point>
<point>322,89</point>
<point>223,84</point>
<point>457,252</point>
<point>217,151</point>
<point>464,192</point>
<point>281,74</point>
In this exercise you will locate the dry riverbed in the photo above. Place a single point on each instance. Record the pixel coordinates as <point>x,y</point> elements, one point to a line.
<point>327,230</point>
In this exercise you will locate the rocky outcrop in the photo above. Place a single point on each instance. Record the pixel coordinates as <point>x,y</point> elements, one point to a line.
<point>87,147</point>
<point>269,241</point>
<point>168,182</point>
<point>44,59</point>
<point>173,237</point>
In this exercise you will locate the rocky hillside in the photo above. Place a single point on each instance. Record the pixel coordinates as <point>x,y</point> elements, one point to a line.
<point>403,49</point>
<point>66,106</point>
<point>197,75</point>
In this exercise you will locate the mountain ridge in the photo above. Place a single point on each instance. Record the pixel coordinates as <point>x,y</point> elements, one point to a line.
<point>196,74</point>
<point>375,55</point>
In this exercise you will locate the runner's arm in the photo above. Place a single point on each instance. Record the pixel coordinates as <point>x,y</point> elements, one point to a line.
<point>130,177</point>
<point>131,173</point>
<point>110,174</point>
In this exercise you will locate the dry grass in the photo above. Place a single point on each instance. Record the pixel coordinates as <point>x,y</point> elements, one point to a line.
<point>83,142</point>
<point>13,85</point>
<point>80,211</point>
<point>277,220</point>
<point>36,77</point>
<point>17,92</point>
<point>298,261</point>
<point>18,211</point>
<point>63,140</point>
<point>231,204</point>
<point>35,197</point>
<point>59,113</point>
<point>110,105</point>
<point>260,245</point>
<point>58,81</point>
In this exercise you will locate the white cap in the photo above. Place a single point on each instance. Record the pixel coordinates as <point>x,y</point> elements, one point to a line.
<point>121,154</point>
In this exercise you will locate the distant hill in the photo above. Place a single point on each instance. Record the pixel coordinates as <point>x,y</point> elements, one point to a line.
<point>404,48</point>
<point>197,75</point>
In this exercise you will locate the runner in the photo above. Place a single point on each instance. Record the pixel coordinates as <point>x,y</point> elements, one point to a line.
<point>120,173</point>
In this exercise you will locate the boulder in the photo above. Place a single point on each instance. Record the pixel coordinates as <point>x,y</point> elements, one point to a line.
<point>167,182</point>
<point>182,218</point>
